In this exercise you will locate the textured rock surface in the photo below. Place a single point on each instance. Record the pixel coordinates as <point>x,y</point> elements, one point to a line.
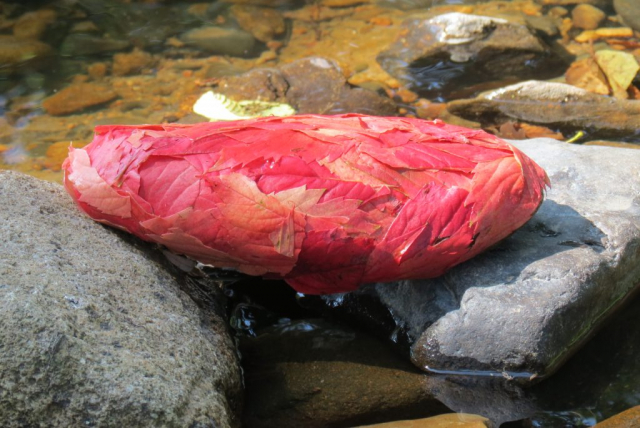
<point>77,97</point>
<point>627,419</point>
<point>311,85</point>
<point>523,307</point>
<point>95,332</point>
<point>441,54</point>
<point>553,104</point>
<point>311,373</point>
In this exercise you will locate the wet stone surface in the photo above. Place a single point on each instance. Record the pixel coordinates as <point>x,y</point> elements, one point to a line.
<point>310,85</point>
<point>523,307</point>
<point>313,373</point>
<point>563,106</point>
<point>438,56</point>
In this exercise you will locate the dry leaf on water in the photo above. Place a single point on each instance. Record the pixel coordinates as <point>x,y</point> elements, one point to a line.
<point>620,68</point>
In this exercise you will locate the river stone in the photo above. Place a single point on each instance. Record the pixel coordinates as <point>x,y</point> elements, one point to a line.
<point>440,55</point>
<point>218,40</point>
<point>95,331</point>
<point>629,11</point>
<point>520,309</point>
<point>312,85</point>
<point>557,105</point>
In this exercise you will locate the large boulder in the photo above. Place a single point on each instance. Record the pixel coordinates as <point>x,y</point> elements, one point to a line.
<point>95,331</point>
<point>521,309</point>
<point>445,55</point>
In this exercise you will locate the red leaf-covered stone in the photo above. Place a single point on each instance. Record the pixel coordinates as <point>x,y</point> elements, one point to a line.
<point>325,202</point>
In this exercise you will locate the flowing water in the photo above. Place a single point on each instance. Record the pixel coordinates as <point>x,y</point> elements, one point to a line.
<point>68,65</point>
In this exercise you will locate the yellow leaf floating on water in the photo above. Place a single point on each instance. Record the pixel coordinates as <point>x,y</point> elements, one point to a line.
<point>217,107</point>
<point>620,68</point>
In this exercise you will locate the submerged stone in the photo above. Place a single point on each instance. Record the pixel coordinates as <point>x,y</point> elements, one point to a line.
<point>438,56</point>
<point>521,309</point>
<point>96,331</point>
<point>313,85</point>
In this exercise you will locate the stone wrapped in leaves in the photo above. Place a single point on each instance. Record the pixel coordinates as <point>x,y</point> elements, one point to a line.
<point>325,202</point>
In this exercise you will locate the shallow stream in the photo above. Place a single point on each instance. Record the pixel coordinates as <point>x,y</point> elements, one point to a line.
<point>69,65</point>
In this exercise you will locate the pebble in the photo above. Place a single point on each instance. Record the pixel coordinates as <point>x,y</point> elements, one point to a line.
<point>77,97</point>
<point>15,52</point>
<point>130,63</point>
<point>263,23</point>
<point>32,25</point>
<point>629,11</point>
<point>217,40</point>
<point>587,17</point>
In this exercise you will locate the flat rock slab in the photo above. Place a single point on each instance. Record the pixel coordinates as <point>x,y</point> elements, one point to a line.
<point>520,309</point>
<point>95,331</point>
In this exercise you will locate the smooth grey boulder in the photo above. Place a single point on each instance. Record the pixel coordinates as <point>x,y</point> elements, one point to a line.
<point>522,308</point>
<point>558,105</point>
<point>96,331</point>
<point>451,54</point>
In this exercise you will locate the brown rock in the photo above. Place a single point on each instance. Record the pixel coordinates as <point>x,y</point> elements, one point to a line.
<point>16,53</point>
<point>97,70</point>
<point>587,17</point>
<point>130,63</point>
<point>627,419</point>
<point>77,97</point>
<point>449,420</point>
<point>293,379</point>
<point>32,25</point>
<point>262,22</point>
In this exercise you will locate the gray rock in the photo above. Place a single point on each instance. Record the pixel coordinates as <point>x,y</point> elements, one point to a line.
<point>558,105</point>
<point>521,309</point>
<point>95,332</point>
<point>449,53</point>
<point>629,11</point>
<point>218,40</point>
<point>311,85</point>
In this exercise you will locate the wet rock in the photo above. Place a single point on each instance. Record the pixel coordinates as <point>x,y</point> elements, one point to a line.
<point>310,373</point>
<point>598,3</point>
<point>558,105</point>
<point>218,40</point>
<point>600,381</point>
<point>311,85</point>
<point>438,56</point>
<point>32,25</point>
<point>418,4</point>
<point>451,420</point>
<point>78,44</point>
<point>628,418</point>
<point>96,332</point>
<point>520,309</point>
<point>263,23</point>
<point>130,63</point>
<point>629,11</point>
<point>77,97</point>
<point>144,24</point>
<point>21,54</point>
<point>587,17</point>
